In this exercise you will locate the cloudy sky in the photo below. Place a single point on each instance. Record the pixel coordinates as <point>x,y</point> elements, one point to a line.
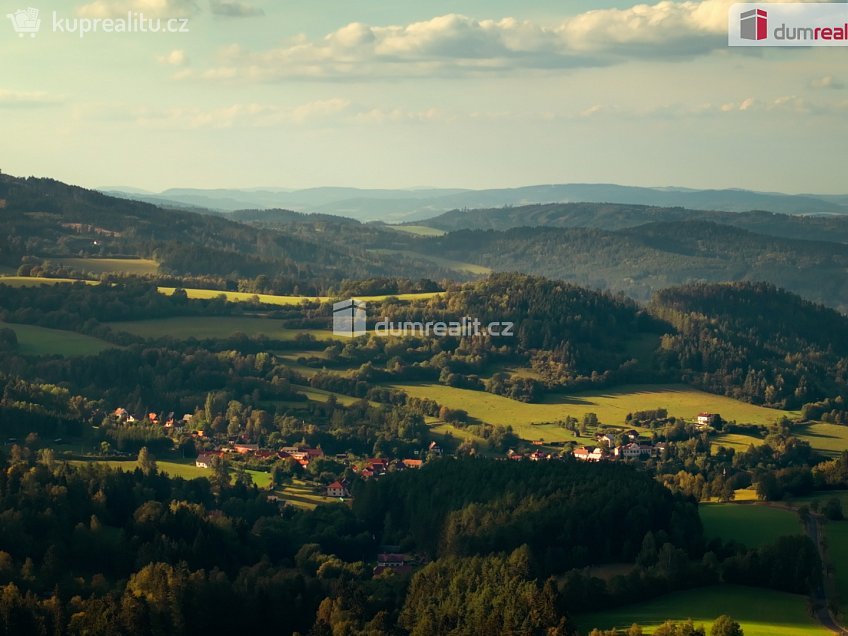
<point>403,93</point>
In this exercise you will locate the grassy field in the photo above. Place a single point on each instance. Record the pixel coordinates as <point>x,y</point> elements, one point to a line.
<point>184,468</point>
<point>270,299</point>
<point>34,340</point>
<point>836,533</point>
<point>829,438</point>
<point>302,494</point>
<point>27,281</point>
<point>752,525</point>
<point>419,230</point>
<point>212,327</point>
<point>611,406</point>
<point>131,266</point>
<point>446,263</point>
<point>760,612</point>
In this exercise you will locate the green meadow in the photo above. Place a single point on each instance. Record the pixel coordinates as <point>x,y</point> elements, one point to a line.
<point>611,406</point>
<point>34,340</point>
<point>446,263</point>
<point>760,612</point>
<point>185,469</point>
<point>751,524</point>
<point>29,281</point>
<point>419,230</point>
<point>828,438</point>
<point>212,327</point>
<point>130,266</point>
<point>270,299</point>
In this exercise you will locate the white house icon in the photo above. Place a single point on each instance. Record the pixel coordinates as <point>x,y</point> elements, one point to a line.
<point>349,318</point>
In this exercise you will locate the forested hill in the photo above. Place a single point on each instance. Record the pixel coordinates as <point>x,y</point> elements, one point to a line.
<point>615,216</point>
<point>639,261</point>
<point>756,342</point>
<point>47,218</point>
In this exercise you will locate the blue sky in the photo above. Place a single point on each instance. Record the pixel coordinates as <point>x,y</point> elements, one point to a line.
<point>396,93</point>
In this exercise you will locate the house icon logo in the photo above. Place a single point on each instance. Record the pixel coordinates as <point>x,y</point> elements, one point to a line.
<point>349,319</point>
<point>753,24</point>
<point>25,21</point>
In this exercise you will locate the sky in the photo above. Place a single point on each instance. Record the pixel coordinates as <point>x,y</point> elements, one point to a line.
<point>402,93</point>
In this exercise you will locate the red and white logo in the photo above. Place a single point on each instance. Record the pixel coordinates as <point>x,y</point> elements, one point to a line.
<point>753,24</point>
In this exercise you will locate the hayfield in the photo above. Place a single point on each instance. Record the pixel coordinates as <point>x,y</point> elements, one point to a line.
<point>750,524</point>
<point>28,281</point>
<point>418,230</point>
<point>836,534</point>
<point>761,612</point>
<point>831,439</point>
<point>34,340</point>
<point>131,266</point>
<point>185,469</point>
<point>446,263</point>
<point>212,327</point>
<point>611,406</point>
<point>302,494</point>
<point>270,299</point>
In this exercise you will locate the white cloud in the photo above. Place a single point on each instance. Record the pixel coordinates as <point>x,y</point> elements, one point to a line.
<point>252,115</point>
<point>152,8</point>
<point>26,99</point>
<point>828,81</point>
<point>234,9</point>
<point>454,44</point>
<point>177,57</point>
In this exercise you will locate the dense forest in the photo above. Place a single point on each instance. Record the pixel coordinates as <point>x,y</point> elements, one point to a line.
<point>92,550</point>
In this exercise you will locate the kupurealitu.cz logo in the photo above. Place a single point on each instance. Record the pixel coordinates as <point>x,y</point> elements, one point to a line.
<point>788,24</point>
<point>350,320</point>
<point>28,22</point>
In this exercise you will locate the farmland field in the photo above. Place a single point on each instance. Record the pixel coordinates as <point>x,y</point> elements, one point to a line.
<point>212,327</point>
<point>750,524</point>
<point>28,281</point>
<point>836,533</point>
<point>611,406</point>
<point>829,438</point>
<point>419,230</point>
<point>270,299</point>
<point>34,340</point>
<point>303,495</point>
<point>447,263</point>
<point>761,612</point>
<point>185,469</point>
<point>133,266</point>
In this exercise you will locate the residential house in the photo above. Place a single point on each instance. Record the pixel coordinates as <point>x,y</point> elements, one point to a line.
<point>338,489</point>
<point>635,451</point>
<point>245,449</point>
<point>435,449</point>
<point>607,439</point>
<point>707,419</point>
<point>204,460</point>
<point>589,454</point>
<point>413,463</point>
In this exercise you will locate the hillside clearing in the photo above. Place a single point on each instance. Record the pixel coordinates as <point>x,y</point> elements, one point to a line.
<point>750,524</point>
<point>33,340</point>
<point>611,406</point>
<point>761,612</point>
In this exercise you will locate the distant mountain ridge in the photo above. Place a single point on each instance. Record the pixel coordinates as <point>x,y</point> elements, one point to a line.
<point>613,216</point>
<point>395,206</point>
